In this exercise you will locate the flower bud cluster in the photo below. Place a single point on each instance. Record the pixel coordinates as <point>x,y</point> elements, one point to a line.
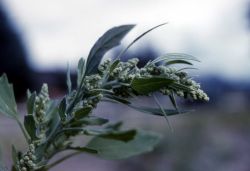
<point>41,103</point>
<point>28,160</point>
<point>92,82</point>
<point>125,72</point>
<point>179,77</point>
<point>92,101</point>
<point>104,65</point>
<point>196,93</point>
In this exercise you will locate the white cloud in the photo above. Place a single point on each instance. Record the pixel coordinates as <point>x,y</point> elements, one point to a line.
<point>59,31</point>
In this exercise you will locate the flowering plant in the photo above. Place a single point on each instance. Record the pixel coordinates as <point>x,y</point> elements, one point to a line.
<point>50,124</point>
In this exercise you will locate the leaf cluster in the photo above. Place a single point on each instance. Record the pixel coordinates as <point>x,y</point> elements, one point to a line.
<point>50,125</point>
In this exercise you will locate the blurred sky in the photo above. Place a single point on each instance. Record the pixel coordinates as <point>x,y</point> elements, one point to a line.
<point>60,31</point>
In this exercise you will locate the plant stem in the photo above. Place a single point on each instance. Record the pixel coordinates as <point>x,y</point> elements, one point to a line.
<point>163,111</point>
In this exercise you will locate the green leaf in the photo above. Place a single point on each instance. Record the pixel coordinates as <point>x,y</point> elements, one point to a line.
<point>68,80</point>
<point>174,56</point>
<point>109,40</point>
<point>14,156</point>
<point>121,135</point>
<point>83,112</point>
<point>178,61</point>
<point>179,86</point>
<point>115,149</point>
<point>145,85</point>
<point>62,109</point>
<point>116,99</point>
<point>30,126</point>
<point>31,103</point>
<point>84,149</point>
<point>7,99</point>
<point>157,111</point>
<point>80,71</point>
<point>92,120</point>
<point>114,65</point>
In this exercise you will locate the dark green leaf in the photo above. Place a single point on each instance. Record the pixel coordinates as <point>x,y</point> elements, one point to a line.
<point>30,126</point>
<point>145,86</point>
<point>114,149</point>
<point>116,99</point>
<point>109,40</point>
<point>84,149</point>
<point>7,98</point>
<point>93,120</point>
<point>121,135</point>
<point>14,156</point>
<point>157,111</point>
<point>68,81</point>
<point>179,86</point>
<point>178,61</point>
<point>114,65</point>
<point>83,112</point>
<point>80,71</point>
<point>31,103</point>
<point>62,109</point>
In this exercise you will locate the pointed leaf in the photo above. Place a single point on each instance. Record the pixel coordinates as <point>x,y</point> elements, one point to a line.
<point>80,71</point>
<point>93,120</point>
<point>145,85</point>
<point>114,149</point>
<point>30,126</point>
<point>114,65</point>
<point>68,81</point>
<point>179,86</point>
<point>175,56</point>
<point>7,98</point>
<point>116,99</point>
<point>121,135</point>
<point>109,40</point>
<point>31,103</point>
<point>178,61</point>
<point>157,111</point>
<point>62,109</point>
<point>14,155</point>
<point>83,112</point>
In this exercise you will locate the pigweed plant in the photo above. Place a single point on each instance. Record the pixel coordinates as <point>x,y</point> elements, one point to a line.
<point>50,126</point>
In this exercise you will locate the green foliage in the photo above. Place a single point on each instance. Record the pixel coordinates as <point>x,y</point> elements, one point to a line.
<point>148,85</point>
<point>7,98</point>
<point>114,149</point>
<point>50,125</point>
<point>109,40</point>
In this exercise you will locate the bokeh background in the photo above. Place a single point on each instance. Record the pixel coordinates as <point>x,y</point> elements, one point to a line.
<point>38,39</point>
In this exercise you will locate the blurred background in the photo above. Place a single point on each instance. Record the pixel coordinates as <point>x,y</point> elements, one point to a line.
<point>39,38</point>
